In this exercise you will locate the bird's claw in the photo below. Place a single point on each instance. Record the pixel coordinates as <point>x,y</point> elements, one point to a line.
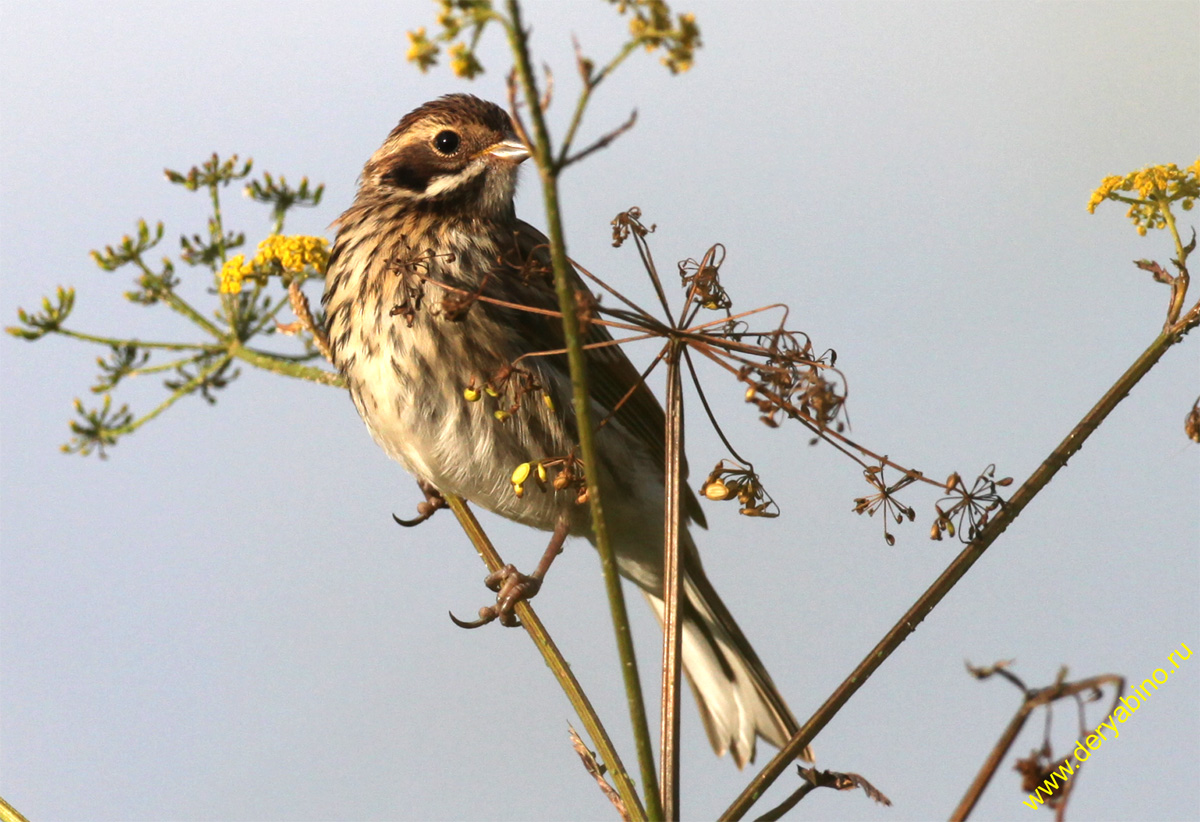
<point>511,587</point>
<point>434,501</point>
<point>487,614</point>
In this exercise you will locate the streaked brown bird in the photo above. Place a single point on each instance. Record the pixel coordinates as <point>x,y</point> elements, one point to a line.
<point>432,229</point>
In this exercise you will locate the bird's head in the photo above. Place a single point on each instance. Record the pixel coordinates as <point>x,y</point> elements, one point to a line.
<point>455,153</point>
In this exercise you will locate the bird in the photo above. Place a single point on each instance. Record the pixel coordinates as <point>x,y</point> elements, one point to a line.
<point>427,295</point>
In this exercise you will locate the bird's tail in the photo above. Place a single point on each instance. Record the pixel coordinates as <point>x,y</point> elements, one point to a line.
<point>738,701</point>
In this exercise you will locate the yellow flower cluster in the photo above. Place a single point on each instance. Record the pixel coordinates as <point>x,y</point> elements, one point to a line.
<point>651,24</point>
<point>463,62</point>
<point>232,273</point>
<point>453,17</point>
<point>277,254</point>
<point>294,253</point>
<point>421,50</point>
<point>1156,187</point>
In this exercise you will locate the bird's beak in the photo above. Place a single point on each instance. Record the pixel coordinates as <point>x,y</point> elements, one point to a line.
<point>510,151</point>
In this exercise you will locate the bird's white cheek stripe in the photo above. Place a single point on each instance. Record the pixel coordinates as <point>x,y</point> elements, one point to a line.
<point>441,185</point>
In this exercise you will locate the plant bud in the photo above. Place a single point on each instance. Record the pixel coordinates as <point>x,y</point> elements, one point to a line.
<point>717,490</point>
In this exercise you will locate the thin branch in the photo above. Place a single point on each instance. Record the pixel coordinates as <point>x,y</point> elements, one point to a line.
<point>590,82</point>
<point>160,346</point>
<point>601,142</point>
<point>596,770</point>
<point>178,394</point>
<point>288,368</point>
<point>160,367</point>
<point>953,573</point>
<point>643,249</point>
<point>554,660</point>
<point>814,779</point>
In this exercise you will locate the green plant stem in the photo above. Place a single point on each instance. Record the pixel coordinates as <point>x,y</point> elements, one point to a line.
<point>555,661</point>
<point>113,341</point>
<point>1179,287</point>
<point>158,369</point>
<point>229,302</point>
<point>565,289</point>
<point>287,368</point>
<point>956,570</point>
<point>175,397</point>
<point>266,318</point>
<point>181,306</point>
<point>585,97</point>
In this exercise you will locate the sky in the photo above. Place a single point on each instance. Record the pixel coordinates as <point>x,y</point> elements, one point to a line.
<point>222,622</point>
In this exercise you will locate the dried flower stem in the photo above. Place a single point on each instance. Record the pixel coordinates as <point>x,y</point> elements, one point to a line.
<point>1034,698</point>
<point>672,621</point>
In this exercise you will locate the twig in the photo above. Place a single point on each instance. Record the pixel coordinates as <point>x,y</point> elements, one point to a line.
<point>554,660</point>
<point>597,771</point>
<point>814,779</point>
<point>602,142</point>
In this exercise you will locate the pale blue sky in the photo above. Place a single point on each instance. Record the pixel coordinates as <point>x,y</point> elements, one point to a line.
<point>222,622</point>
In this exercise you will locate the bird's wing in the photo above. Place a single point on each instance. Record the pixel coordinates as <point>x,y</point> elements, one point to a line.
<point>611,375</point>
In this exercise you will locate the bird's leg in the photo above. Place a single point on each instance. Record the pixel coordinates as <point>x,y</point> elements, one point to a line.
<point>511,586</point>
<point>433,501</point>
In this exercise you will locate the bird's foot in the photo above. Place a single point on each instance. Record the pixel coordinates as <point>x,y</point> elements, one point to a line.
<point>511,587</point>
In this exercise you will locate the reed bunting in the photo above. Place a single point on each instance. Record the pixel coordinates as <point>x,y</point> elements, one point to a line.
<point>423,298</point>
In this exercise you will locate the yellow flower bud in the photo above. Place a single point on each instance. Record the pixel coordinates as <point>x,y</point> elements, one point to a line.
<point>501,414</point>
<point>717,490</point>
<point>548,400</point>
<point>471,394</point>
<point>521,473</point>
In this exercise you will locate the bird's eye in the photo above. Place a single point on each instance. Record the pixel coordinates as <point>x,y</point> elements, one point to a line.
<point>446,142</point>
